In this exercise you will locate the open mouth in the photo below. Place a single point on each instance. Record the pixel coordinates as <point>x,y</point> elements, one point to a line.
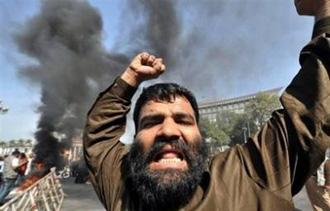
<point>169,158</point>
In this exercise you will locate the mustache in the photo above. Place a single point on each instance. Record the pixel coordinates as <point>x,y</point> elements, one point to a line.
<point>176,144</point>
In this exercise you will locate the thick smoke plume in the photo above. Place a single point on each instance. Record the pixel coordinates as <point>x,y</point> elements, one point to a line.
<point>203,43</point>
<point>71,67</point>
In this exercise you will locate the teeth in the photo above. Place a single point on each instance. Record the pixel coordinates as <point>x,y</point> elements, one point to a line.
<point>169,160</point>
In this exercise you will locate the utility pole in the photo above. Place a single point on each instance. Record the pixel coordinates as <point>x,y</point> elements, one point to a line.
<point>244,133</point>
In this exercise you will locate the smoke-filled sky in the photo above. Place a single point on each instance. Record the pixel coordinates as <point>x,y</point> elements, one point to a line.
<point>56,55</point>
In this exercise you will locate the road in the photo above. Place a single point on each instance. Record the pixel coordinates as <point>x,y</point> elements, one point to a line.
<point>82,197</point>
<point>79,197</point>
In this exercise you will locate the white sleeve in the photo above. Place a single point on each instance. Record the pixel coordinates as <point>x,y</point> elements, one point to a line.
<point>15,162</point>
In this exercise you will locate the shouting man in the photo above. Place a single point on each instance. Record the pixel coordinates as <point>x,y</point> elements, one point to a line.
<point>167,166</point>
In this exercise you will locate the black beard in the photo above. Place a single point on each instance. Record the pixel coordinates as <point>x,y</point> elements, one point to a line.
<point>168,189</point>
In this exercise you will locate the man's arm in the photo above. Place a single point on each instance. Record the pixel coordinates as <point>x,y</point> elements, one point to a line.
<point>106,123</point>
<point>307,100</point>
<point>291,146</point>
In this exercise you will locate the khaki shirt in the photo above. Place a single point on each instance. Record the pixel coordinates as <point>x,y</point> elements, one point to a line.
<point>262,174</point>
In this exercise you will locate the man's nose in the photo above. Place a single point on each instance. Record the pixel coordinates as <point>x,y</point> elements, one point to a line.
<point>169,129</point>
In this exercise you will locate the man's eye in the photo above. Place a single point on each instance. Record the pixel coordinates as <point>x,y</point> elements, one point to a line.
<point>185,121</point>
<point>149,124</point>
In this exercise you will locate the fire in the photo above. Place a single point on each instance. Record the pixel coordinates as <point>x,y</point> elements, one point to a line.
<point>28,182</point>
<point>37,173</point>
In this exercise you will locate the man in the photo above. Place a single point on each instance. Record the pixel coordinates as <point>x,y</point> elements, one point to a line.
<point>10,174</point>
<point>166,167</point>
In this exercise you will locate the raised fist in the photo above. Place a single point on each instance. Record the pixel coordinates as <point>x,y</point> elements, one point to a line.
<point>317,8</point>
<point>143,67</point>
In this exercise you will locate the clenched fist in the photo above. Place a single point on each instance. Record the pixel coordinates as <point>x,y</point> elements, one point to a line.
<point>143,67</point>
<point>317,8</point>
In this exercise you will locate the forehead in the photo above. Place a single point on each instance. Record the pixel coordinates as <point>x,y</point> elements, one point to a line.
<point>177,104</point>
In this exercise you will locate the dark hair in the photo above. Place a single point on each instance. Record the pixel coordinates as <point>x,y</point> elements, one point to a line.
<point>163,92</point>
<point>16,153</point>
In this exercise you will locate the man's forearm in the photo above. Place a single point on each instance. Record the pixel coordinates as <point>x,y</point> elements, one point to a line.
<point>106,122</point>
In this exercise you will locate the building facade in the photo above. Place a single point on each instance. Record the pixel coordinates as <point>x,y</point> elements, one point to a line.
<point>210,109</point>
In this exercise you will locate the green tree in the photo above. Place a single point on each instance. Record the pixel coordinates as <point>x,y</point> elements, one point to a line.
<point>259,109</point>
<point>20,142</point>
<point>2,144</point>
<point>221,131</point>
<point>12,143</point>
<point>28,142</point>
<point>212,131</point>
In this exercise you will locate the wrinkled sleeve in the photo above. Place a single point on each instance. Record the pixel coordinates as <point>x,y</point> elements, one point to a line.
<point>291,145</point>
<point>103,151</point>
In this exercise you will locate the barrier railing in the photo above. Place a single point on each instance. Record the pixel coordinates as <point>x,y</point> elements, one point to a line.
<point>45,194</point>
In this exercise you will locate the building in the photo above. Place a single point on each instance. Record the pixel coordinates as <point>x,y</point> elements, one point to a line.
<point>8,149</point>
<point>76,151</point>
<point>210,109</point>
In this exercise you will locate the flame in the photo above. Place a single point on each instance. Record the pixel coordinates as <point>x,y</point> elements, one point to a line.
<point>28,182</point>
<point>38,173</point>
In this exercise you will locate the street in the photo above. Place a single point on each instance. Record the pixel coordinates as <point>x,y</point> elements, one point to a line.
<point>80,197</point>
<point>83,197</point>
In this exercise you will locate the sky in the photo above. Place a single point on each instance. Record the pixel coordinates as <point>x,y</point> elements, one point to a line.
<point>218,49</point>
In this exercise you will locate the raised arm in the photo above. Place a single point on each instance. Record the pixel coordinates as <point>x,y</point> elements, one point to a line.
<point>307,99</point>
<point>106,123</point>
<point>291,146</point>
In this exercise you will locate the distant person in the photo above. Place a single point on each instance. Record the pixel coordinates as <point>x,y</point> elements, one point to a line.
<point>166,167</point>
<point>21,169</point>
<point>10,174</point>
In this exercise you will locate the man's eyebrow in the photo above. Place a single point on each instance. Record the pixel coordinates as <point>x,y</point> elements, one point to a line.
<point>184,115</point>
<point>147,117</point>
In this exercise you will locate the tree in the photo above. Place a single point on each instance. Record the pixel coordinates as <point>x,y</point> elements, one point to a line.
<point>235,128</point>
<point>12,143</point>
<point>28,142</point>
<point>2,144</point>
<point>20,142</point>
<point>259,109</point>
<point>221,131</point>
<point>216,134</point>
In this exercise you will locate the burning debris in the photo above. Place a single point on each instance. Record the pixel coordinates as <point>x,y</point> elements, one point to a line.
<point>37,173</point>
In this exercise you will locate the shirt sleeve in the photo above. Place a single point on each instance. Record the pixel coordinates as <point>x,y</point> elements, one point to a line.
<point>15,162</point>
<point>291,146</point>
<point>103,151</point>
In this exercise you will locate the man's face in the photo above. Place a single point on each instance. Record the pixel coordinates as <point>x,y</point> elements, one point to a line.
<point>167,121</point>
<point>167,159</point>
<point>305,7</point>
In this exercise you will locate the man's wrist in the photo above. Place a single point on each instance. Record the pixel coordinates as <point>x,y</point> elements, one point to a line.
<point>324,11</point>
<point>129,76</point>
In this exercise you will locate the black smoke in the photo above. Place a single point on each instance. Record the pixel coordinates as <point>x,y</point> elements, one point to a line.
<point>71,66</point>
<point>205,45</point>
